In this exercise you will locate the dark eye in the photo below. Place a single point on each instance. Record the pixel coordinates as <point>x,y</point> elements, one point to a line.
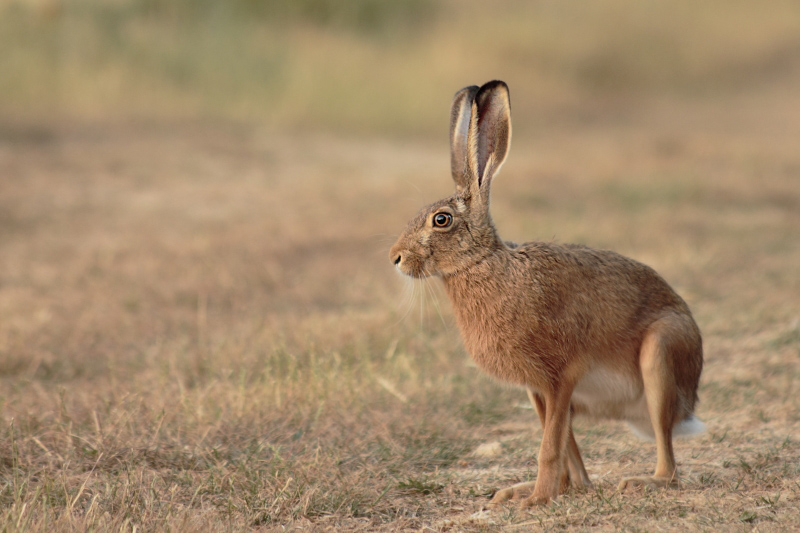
<point>442,220</point>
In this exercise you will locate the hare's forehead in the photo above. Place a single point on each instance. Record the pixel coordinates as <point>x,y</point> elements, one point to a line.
<point>459,204</point>
<point>456,203</point>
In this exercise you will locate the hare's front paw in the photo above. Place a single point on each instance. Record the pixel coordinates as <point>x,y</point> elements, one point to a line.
<point>523,493</point>
<point>535,501</point>
<point>517,492</point>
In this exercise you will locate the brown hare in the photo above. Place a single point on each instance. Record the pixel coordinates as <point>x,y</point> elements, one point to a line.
<point>587,332</point>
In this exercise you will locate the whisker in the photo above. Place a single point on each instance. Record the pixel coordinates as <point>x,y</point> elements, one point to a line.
<point>422,307</point>
<point>407,302</point>
<point>436,304</point>
<point>409,182</point>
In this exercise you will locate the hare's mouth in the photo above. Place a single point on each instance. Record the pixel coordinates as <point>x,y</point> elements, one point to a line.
<point>412,272</point>
<point>410,268</point>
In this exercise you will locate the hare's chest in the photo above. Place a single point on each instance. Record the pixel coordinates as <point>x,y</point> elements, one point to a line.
<point>499,329</point>
<point>499,350</point>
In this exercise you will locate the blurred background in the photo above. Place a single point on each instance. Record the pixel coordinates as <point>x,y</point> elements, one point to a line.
<point>368,66</point>
<point>200,328</point>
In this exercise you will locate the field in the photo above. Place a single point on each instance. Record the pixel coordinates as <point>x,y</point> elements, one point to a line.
<point>200,327</point>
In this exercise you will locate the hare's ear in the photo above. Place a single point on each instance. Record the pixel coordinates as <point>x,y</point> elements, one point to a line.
<point>460,118</point>
<point>489,134</point>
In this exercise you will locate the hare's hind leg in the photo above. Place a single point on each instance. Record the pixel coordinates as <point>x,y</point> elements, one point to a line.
<point>656,358</point>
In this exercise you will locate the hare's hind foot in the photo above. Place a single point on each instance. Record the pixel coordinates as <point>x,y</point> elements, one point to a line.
<point>648,482</point>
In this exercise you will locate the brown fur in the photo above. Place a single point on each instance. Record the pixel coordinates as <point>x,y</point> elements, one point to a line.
<point>585,331</point>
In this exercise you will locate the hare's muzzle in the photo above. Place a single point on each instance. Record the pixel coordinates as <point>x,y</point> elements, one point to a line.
<point>397,254</point>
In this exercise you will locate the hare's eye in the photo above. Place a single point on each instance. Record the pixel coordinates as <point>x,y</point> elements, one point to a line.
<point>442,220</point>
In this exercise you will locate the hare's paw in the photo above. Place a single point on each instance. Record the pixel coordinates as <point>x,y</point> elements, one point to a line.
<point>523,493</point>
<point>535,501</point>
<point>517,492</point>
<point>581,485</point>
<point>647,482</point>
<point>574,484</point>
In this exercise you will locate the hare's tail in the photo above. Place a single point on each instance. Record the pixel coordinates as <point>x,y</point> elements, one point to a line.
<point>687,427</point>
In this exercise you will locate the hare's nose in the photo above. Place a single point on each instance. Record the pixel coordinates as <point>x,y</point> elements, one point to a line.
<point>397,259</point>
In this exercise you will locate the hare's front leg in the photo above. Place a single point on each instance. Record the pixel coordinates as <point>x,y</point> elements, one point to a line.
<point>573,473</point>
<point>579,479</point>
<point>553,451</point>
<point>554,474</point>
<point>520,491</point>
<point>523,490</point>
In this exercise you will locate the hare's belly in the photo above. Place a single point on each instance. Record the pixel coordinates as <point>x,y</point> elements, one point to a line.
<point>606,393</point>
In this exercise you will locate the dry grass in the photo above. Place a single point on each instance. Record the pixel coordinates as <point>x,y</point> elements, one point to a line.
<point>200,328</point>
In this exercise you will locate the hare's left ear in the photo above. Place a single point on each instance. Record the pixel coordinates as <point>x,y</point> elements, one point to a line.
<point>489,134</point>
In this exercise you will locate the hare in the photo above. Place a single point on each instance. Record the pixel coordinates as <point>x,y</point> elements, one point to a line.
<point>585,331</point>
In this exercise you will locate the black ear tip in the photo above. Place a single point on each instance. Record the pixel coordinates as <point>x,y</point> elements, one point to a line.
<point>490,89</point>
<point>470,90</point>
<point>493,86</point>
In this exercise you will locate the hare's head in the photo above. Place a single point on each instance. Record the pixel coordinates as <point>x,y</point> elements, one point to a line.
<point>457,232</point>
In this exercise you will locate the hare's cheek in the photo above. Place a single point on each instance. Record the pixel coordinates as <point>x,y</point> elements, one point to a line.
<point>425,240</point>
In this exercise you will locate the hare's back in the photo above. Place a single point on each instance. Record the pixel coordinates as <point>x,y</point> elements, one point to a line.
<point>577,279</point>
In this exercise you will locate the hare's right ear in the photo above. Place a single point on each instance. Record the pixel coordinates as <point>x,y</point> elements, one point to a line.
<point>489,135</point>
<point>460,119</point>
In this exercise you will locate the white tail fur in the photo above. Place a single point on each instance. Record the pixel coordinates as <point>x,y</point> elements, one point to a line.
<point>685,428</point>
